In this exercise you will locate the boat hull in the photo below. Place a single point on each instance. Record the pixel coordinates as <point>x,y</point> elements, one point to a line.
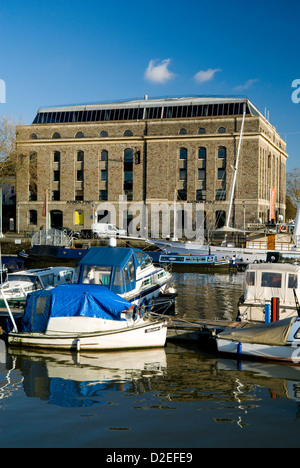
<point>286,353</point>
<point>148,335</point>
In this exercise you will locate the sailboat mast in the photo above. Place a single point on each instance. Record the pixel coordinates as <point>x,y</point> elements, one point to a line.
<point>236,168</point>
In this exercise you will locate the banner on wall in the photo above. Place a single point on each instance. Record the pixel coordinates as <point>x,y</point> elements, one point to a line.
<point>272,203</point>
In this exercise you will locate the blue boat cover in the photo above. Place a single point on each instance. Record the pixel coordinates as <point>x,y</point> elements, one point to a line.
<point>71,300</point>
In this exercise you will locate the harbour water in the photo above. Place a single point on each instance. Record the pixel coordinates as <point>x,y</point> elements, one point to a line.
<point>179,397</point>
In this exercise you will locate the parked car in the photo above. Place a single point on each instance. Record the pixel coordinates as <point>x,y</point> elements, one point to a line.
<point>106,230</point>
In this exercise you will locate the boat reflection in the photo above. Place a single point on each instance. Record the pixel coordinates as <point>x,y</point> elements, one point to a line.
<point>173,374</point>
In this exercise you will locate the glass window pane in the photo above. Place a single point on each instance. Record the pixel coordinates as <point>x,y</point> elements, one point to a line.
<point>271,280</point>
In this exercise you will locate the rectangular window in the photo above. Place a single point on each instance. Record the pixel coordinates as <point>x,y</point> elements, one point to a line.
<point>182,174</point>
<point>250,278</point>
<point>79,195</point>
<point>293,281</point>
<point>103,195</point>
<point>79,175</point>
<point>55,195</point>
<point>221,174</point>
<point>220,194</point>
<point>271,280</point>
<point>56,176</point>
<point>201,174</point>
<point>104,176</point>
<point>200,195</point>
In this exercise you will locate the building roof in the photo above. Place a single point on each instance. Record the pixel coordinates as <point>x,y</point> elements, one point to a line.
<point>144,109</point>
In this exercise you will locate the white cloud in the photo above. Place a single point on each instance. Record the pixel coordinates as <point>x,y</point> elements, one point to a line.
<point>159,72</point>
<point>206,75</point>
<point>246,85</point>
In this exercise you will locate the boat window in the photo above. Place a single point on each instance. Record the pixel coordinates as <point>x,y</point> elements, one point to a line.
<point>118,285</point>
<point>293,281</point>
<point>297,334</point>
<point>23,278</point>
<point>131,269</point>
<point>40,305</point>
<point>48,280</point>
<point>271,280</point>
<point>96,275</point>
<point>250,278</point>
<point>138,257</point>
<point>146,263</point>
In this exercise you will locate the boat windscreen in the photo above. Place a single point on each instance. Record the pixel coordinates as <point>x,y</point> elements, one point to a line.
<point>23,278</point>
<point>95,275</point>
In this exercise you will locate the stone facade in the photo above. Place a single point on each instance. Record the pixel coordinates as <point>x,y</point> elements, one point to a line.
<point>165,161</point>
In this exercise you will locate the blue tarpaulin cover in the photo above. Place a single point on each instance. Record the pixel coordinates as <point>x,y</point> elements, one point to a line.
<point>71,300</point>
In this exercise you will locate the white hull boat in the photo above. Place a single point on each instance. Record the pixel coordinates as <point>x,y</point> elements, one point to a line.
<point>264,283</point>
<point>19,284</point>
<point>278,341</point>
<point>85,317</point>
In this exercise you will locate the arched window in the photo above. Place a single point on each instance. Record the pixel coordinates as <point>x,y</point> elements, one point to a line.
<point>56,135</point>
<point>128,133</point>
<point>56,156</point>
<point>103,134</point>
<point>183,153</point>
<point>80,156</point>
<point>202,130</point>
<point>221,130</point>
<point>183,131</point>
<point>79,135</point>
<point>104,155</point>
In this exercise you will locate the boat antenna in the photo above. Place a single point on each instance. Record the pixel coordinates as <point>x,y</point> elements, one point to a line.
<point>236,168</point>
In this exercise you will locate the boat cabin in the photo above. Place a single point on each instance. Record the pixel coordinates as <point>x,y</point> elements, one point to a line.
<point>266,281</point>
<point>115,267</point>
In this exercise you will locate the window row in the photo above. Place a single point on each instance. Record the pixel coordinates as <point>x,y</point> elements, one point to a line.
<point>141,113</point>
<point>222,153</point>
<point>127,133</point>
<point>220,195</point>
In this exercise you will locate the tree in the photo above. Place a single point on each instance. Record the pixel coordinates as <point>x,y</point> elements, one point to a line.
<point>8,155</point>
<point>293,186</point>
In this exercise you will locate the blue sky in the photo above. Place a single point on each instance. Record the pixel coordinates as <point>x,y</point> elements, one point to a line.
<point>68,52</point>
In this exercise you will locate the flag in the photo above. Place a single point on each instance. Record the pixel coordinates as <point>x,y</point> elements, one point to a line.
<point>44,214</point>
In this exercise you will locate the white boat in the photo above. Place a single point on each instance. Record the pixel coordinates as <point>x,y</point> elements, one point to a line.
<point>264,283</point>
<point>19,284</point>
<point>278,341</point>
<point>125,271</point>
<point>85,317</point>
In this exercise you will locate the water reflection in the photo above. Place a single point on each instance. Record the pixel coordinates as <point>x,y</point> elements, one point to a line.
<point>208,296</point>
<point>174,373</point>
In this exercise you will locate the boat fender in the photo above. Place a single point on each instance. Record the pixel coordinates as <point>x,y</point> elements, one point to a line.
<point>149,305</point>
<point>239,349</point>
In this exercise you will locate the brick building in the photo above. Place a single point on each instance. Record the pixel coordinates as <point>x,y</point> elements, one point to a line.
<point>149,150</point>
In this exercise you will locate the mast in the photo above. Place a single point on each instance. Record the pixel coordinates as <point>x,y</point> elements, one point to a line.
<point>235,169</point>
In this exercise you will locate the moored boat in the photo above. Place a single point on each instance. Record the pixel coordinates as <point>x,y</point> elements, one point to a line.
<point>85,317</point>
<point>263,283</point>
<point>278,341</point>
<point>125,271</point>
<point>195,262</point>
<point>19,284</point>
